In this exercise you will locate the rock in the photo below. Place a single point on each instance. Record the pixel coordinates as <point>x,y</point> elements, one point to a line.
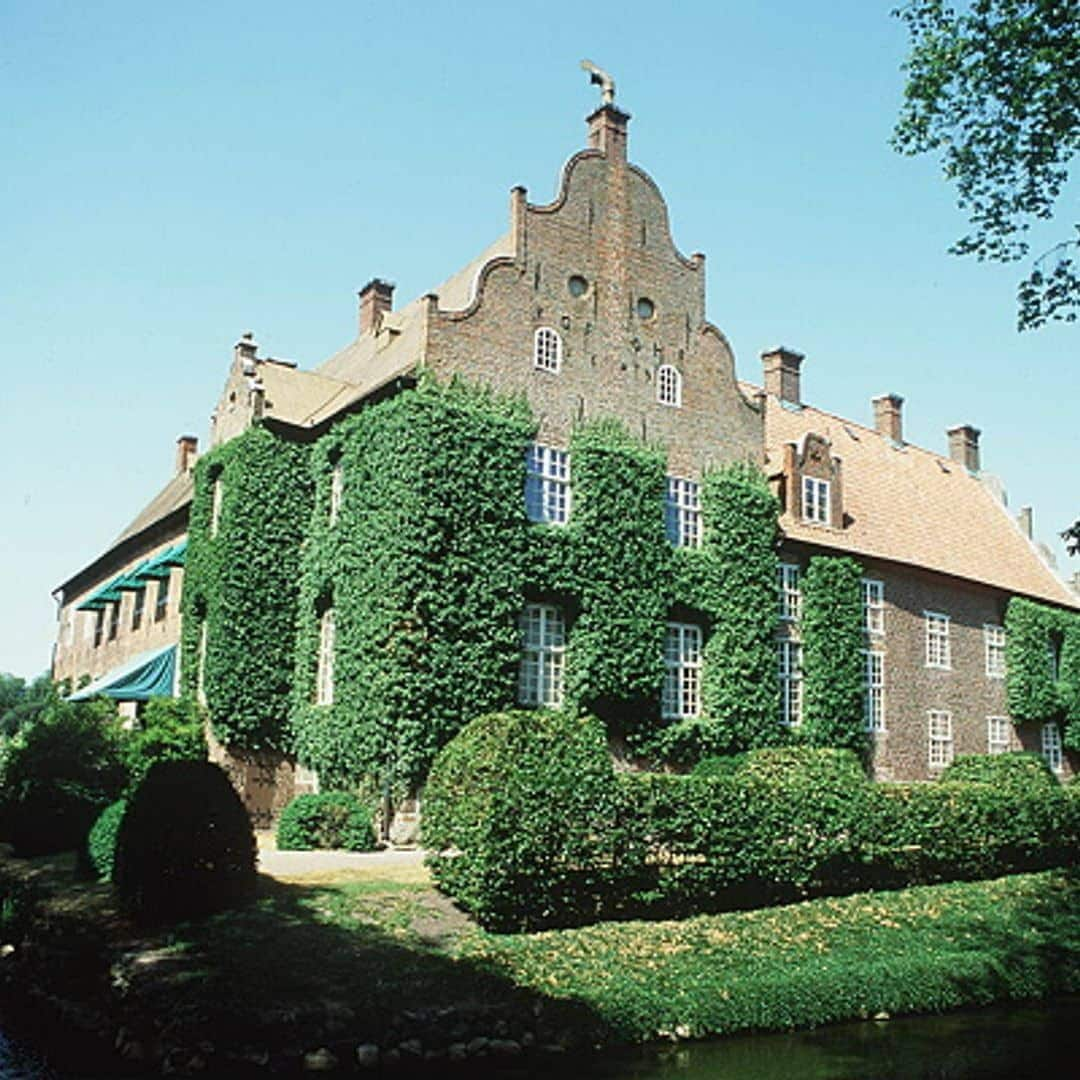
<point>367,1055</point>
<point>505,1047</point>
<point>682,1031</point>
<point>477,1046</point>
<point>321,1060</point>
<point>528,1040</point>
<point>501,1029</point>
<point>882,1015</point>
<point>457,1051</point>
<point>411,1048</point>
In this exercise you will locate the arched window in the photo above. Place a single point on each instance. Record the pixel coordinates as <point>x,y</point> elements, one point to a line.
<point>547,349</point>
<point>669,386</point>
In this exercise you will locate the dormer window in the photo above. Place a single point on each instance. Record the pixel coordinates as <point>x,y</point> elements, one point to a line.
<point>547,349</point>
<point>669,386</point>
<point>815,500</point>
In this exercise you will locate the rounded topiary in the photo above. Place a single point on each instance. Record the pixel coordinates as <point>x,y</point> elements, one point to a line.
<point>101,843</point>
<point>327,820</point>
<point>185,846</point>
<point>519,815</point>
<point>1016,768</point>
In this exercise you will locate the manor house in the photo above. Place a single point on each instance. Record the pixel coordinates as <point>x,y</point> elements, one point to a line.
<point>583,309</point>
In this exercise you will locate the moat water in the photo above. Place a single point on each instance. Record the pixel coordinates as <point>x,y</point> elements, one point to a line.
<point>1039,1040</point>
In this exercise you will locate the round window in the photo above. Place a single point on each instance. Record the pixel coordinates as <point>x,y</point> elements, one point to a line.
<point>577,285</point>
<point>646,309</point>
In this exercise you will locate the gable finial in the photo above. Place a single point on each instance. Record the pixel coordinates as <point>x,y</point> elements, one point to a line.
<point>599,77</point>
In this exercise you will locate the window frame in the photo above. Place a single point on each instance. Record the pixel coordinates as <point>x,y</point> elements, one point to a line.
<point>324,672</point>
<point>942,742</point>
<point>790,674</point>
<point>938,645</point>
<point>542,664</point>
<point>161,604</point>
<point>682,512</point>
<point>114,620</point>
<point>874,691</point>
<point>816,501</point>
<point>200,680</point>
<point>337,488</point>
<point>994,650</point>
<point>873,603</point>
<point>217,497</point>
<point>680,697</point>
<point>99,627</point>
<point>1051,749</point>
<point>548,495</point>
<point>138,607</point>
<point>789,596</point>
<point>547,350</point>
<point>996,743</point>
<point>669,386</point>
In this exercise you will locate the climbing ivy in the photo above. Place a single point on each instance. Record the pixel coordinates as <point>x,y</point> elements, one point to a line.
<point>731,581</point>
<point>1033,694</point>
<point>832,654</point>
<point>243,582</point>
<point>425,568</point>
<point>620,563</point>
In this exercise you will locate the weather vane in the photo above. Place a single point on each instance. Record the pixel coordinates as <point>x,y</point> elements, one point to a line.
<point>599,77</point>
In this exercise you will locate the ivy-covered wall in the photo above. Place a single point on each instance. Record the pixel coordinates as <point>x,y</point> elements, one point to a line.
<point>1033,693</point>
<point>831,628</point>
<point>244,582</point>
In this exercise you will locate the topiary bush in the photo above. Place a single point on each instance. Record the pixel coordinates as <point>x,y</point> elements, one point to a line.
<point>58,774</point>
<point>185,847</point>
<point>101,842</point>
<point>519,818</point>
<point>327,820</point>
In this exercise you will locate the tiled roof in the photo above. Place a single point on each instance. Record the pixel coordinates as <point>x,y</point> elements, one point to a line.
<point>295,396</point>
<point>908,505</point>
<point>174,495</point>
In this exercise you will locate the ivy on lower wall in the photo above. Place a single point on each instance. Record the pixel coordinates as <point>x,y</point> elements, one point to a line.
<point>1033,630</point>
<point>242,581</point>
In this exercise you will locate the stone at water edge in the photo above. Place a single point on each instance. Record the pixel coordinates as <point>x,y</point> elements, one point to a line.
<point>367,1055</point>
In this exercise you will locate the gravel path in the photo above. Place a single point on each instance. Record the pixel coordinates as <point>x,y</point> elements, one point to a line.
<point>293,864</point>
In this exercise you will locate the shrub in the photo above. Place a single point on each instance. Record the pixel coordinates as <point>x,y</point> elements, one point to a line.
<point>171,730</point>
<point>101,842</point>
<point>58,775</point>
<point>1017,768</point>
<point>329,819</point>
<point>519,816</point>
<point>185,846</point>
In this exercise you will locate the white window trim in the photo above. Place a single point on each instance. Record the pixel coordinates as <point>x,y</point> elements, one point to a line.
<point>1050,744</point>
<point>547,484</point>
<point>682,512</point>
<point>669,386</point>
<point>789,665</point>
<point>874,691</point>
<point>938,647</point>
<point>816,499</point>
<point>789,591</point>
<point>216,498</point>
<point>543,656</point>
<point>337,486</point>
<point>324,676</point>
<point>873,597</point>
<point>547,350</point>
<point>939,731</point>
<point>681,696</point>
<point>994,648</point>
<point>200,682</point>
<point>998,734</point>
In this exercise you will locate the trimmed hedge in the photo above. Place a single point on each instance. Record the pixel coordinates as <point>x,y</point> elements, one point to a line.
<point>185,847</point>
<point>101,842</point>
<point>1017,768</point>
<point>327,820</point>
<point>531,828</point>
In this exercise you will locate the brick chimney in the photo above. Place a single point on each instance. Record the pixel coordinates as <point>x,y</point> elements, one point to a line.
<point>781,370</point>
<point>1023,519</point>
<point>888,416</point>
<point>964,446</point>
<point>607,131</point>
<point>245,349</point>
<point>376,299</point>
<point>187,450</point>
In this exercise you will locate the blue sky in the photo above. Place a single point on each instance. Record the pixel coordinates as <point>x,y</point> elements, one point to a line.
<point>176,174</point>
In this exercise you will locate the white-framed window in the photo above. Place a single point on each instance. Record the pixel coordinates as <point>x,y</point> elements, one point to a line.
<point>337,486</point>
<point>161,608</point>
<point>874,690</point>
<point>547,349</point>
<point>543,655</point>
<point>1053,658</point>
<point>1051,746</point>
<point>789,660</point>
<point>682,512</point>
<point>138,605</point>
<point>998,734</point>
<point>815,500</point>
<point>940,738</point>
<point>681,696</point>
<point>669,386</point>
<point>873,603</point>
<point>324,676</point>
<point>216,497</point>
<point>938,654</point>
<point>994,642</point>
<point>789,593</point>
<point>200,682</point>
<point>547,484</point>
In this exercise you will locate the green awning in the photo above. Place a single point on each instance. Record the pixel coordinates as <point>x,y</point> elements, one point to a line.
<point>162,563</point>
<point>150,674</point>
<point>132,582</point>
<point>107,594</point>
